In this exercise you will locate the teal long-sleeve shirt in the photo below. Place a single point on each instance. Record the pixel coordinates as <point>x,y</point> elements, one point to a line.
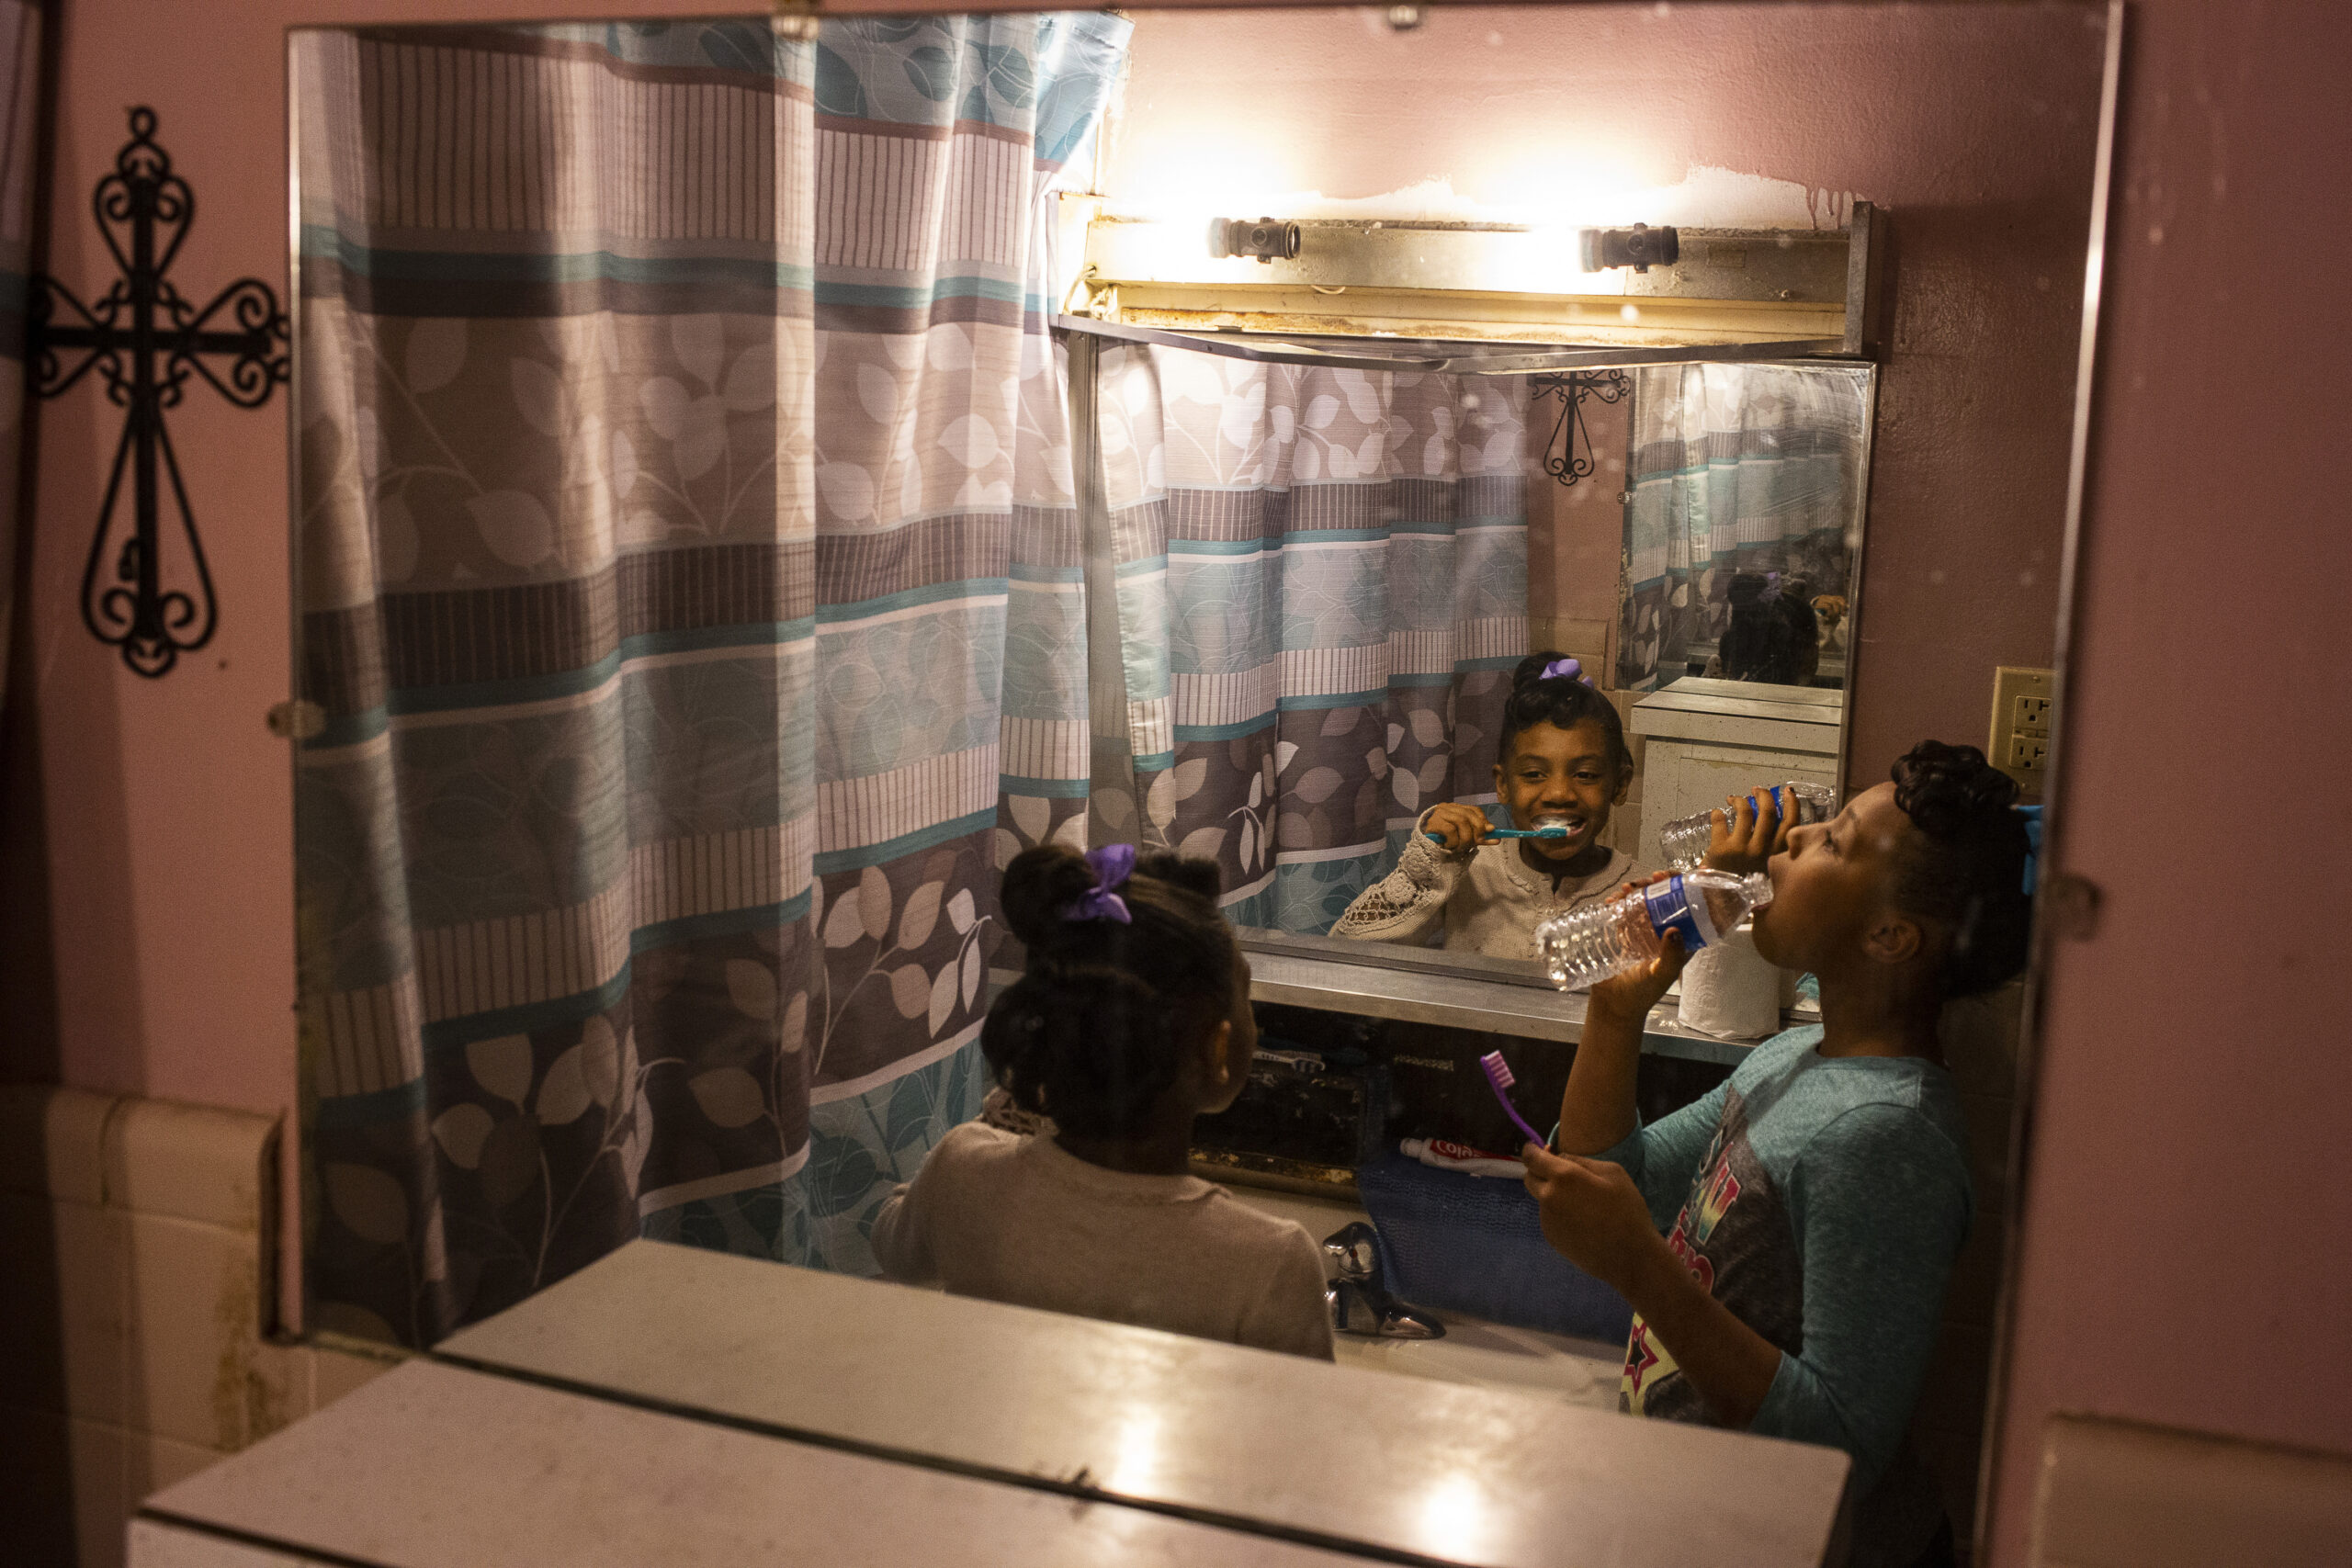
<point>1822,1199</point>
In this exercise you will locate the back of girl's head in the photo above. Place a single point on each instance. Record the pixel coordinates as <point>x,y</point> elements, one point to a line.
<point>1094,1032</point>
<point>1565,701</point>
<point>1771,635</point>
<point>1965,867</point>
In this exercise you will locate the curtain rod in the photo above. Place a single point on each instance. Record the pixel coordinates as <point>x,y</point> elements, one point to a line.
<point>1527,361</point>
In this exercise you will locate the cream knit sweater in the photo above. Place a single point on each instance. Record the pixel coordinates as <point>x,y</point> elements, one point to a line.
<point>1486,899</point>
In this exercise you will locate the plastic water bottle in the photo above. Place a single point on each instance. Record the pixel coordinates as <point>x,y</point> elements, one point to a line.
<point>1601,939</point>
<point>1684,842</point>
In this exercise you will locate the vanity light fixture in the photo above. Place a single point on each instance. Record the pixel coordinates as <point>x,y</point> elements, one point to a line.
<point>1263,238</point>
<point>1639,247</point>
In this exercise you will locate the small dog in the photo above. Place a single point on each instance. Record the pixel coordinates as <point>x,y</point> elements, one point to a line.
<point>1829,612</point>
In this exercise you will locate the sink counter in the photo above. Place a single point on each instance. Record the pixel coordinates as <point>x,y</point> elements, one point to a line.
<point>1490,1355</point>
<point>1452,1465</point>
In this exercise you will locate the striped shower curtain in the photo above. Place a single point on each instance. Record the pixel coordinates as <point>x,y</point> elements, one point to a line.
<point>1323,587</point>
<point>1733,468</point>
<point>689,590</point>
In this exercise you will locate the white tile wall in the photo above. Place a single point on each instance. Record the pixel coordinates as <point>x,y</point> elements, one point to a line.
<point>135,1295</point>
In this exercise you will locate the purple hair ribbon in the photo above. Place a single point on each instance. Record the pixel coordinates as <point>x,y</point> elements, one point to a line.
<point>1564,670</point>
<point>1112,864</point>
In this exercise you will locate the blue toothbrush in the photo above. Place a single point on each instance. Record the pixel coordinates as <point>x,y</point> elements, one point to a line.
<point>1510,833</point>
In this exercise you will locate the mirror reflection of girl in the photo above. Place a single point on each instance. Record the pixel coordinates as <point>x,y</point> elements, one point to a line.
<point>1132,1018</point>
<point>1563,760</point>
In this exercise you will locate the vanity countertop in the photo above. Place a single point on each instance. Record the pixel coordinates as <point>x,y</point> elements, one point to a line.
<point>672,1405</point>
<point>1462,991</point>
<point>1408,1468</point>
<point>431,1465</point>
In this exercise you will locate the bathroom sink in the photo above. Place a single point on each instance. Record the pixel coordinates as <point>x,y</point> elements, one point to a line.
<point>1491,1355</point>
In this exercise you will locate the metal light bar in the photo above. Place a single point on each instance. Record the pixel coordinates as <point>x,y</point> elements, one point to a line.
<point>1786,290</point>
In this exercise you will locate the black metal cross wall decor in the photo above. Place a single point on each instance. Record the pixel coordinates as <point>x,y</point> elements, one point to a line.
<point>1572,390</point>
<point>146,341</point>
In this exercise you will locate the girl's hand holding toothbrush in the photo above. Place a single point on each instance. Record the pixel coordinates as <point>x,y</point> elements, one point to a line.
<point>1594,1216</point>
<point>1457,827</point>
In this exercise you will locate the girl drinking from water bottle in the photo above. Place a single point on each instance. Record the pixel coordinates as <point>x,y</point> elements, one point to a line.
<point>1563,765</point>
<point>1785,1240</point>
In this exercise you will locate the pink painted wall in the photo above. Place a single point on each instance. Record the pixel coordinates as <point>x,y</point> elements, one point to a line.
<point>2188,1224</point>
<point>148,863</point>
<point>1974,125</point>
<point>146,846</point>
<point>1576,534</point>
<point>146,856</point>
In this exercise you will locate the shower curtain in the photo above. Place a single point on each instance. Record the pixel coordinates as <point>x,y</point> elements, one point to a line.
<point>1323,587</point>
<point>689,598</point>
<point>1733,468</point>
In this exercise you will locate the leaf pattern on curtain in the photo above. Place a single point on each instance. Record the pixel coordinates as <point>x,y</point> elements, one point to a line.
<point>1323,587</point>
<point>687,564</point>
<point>1733,468</point>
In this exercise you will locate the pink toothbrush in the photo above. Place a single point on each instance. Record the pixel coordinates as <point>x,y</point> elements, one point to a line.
<point>1499,1075</point>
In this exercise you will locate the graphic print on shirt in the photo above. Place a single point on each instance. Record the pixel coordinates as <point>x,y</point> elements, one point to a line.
<point>1735,1236</point>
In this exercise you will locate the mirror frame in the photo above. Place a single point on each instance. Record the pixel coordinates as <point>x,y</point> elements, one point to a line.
<point>2054,895</point>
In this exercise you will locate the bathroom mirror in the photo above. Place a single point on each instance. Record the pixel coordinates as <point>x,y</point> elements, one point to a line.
<point>1348,486</point>
<point>1338,570</point>
<point>740,481</point>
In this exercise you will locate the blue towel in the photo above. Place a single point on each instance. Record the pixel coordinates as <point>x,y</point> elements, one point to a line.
<point>1475,1244</point>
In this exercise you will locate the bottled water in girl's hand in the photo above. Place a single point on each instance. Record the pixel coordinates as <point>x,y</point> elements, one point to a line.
<point>1601,939</point>
<point>1683,843</point>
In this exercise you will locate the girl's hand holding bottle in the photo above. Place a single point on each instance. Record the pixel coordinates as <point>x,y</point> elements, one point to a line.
<point>1628,997</point>
<point>1747,832</point>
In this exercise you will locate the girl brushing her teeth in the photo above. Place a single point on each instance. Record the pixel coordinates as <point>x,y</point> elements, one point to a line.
<point>1563,765</point>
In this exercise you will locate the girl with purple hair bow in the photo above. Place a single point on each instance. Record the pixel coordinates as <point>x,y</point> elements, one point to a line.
<point>1075,1192</point>
<point>1563,766</point>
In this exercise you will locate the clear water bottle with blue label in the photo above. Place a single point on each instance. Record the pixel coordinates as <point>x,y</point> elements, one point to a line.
<point>1601,939</point>
<point>1683,843</point>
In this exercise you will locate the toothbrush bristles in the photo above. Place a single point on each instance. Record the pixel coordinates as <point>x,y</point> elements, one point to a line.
<point>1498,1069</point>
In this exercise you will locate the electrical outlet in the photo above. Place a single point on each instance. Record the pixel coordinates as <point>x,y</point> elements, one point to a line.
<point>2018,741</point>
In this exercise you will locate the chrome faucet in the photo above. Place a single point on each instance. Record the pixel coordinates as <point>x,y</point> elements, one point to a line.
<point>1360,1307</point>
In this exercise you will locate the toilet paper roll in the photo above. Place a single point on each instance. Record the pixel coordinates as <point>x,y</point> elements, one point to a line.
<point>1730,990</point>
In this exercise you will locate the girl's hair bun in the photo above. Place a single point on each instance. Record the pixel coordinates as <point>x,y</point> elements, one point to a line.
<point>1967,866</point>
<point>1529,672</point>
<point>1565,701</point>
<point>1200,878</point>
<point>1094,1032</point>
<point>1036,884</point>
